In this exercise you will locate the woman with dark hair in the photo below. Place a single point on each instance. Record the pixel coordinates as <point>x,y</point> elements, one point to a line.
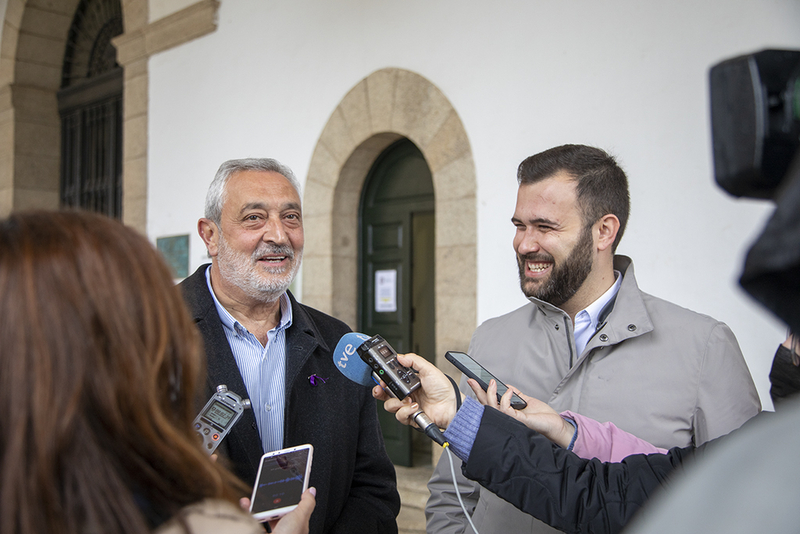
<point>99,367</point>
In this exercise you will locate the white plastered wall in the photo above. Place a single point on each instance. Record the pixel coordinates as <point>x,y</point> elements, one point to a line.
<point>625,75</point>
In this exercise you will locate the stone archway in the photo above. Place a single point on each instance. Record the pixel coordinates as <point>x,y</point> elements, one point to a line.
<point>31,55</point>
<point>383,107</point>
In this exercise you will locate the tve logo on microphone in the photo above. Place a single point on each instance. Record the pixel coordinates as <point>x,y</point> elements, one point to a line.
<point>347,360</point>
<point>349,349</point>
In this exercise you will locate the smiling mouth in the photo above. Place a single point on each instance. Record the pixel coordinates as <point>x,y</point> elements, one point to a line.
<point>273,259</point>
<point>537,267</point>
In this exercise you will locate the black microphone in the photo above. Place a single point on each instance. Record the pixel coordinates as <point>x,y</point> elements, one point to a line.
<point>365,360</point>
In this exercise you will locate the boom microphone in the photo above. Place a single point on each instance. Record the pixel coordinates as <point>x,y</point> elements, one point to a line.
<point>351,351</point>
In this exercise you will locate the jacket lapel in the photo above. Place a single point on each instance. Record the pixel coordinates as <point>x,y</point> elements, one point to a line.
<point>222,367</point>
<point>302,339</point>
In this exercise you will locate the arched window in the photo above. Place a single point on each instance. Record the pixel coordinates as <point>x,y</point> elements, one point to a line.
<point>90,105</point>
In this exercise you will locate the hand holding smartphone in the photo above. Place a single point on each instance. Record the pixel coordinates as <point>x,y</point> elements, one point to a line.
<point>476,371</point>
<point>282,479</point>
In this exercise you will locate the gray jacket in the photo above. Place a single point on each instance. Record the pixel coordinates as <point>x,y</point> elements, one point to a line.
<point>668,375</point>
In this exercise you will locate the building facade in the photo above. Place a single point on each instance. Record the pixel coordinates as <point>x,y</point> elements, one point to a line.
<point>329,87</point>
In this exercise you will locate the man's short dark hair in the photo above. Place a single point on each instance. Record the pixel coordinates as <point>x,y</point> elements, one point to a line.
<point>602,186</point>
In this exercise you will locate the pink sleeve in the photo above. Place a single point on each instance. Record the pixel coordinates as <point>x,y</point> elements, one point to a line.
<point>605,441</point>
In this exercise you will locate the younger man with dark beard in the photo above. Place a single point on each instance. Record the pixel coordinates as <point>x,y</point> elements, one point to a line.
<point>590,341</point>
<point>264,345</point>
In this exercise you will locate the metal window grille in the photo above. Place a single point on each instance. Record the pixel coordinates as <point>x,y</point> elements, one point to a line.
<point>90,105</point>
<point>91,157</point>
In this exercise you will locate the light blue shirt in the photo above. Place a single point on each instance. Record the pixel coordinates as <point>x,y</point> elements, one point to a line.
<point>263,369</point>
<point>586,320</point>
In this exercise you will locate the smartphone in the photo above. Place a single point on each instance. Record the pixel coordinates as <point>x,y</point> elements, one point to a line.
<point>473,369</point>
<point>218,416</point>
<point>282,479</point>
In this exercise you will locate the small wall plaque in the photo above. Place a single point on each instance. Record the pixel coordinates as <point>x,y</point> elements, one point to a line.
<point>175,250</point>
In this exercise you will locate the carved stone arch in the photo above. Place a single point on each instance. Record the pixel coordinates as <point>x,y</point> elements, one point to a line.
<point>31,55</point>
<point>387,105</point>
<point>31,58</point>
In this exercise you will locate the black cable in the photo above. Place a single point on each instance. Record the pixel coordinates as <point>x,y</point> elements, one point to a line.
<point>458,392</point>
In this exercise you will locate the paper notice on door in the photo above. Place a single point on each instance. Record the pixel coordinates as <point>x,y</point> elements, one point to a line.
<point>386,290</point>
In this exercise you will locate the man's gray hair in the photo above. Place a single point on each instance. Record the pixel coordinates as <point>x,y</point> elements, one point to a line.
<point>215,197</point>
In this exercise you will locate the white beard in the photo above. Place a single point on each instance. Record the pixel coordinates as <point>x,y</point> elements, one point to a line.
<point>259,282</point>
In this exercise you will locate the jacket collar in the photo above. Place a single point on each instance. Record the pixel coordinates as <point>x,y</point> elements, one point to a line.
<point>624,317</point>
<point>629,317</point>
<point>302,337</point>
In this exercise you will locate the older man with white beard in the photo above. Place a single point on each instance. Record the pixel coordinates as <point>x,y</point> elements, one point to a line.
<point>264,345</point>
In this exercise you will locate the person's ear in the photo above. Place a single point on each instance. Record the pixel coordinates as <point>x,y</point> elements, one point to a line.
<point>209,233</point>
<point>607,227</point>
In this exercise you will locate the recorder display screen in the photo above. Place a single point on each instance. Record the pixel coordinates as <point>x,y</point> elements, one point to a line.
<point>219,414</point>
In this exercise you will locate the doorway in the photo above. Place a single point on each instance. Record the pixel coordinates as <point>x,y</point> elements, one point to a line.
<point>397,272</point>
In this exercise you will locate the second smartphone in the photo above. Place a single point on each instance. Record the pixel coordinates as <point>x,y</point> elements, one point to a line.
<point>476,371</point>
<point>282,479</point>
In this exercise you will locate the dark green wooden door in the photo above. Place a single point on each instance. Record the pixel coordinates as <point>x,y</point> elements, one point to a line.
<point>396,294</point>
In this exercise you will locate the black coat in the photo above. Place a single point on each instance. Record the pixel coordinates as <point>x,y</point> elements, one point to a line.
<point>354,478</point>
<point>560,488</point>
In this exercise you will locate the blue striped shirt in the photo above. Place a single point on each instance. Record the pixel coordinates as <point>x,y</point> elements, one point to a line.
<point>263,369</point>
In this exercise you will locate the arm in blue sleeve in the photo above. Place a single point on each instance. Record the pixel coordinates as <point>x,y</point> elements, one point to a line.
<point>464,427</point>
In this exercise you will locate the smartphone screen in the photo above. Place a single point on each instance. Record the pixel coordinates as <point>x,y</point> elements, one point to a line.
<point>282,479</point>
<point>473,369</point>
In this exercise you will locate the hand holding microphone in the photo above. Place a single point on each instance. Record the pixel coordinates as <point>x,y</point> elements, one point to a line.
<point>436,397</point>
<point>431,403</point>
<point>366,360</point>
